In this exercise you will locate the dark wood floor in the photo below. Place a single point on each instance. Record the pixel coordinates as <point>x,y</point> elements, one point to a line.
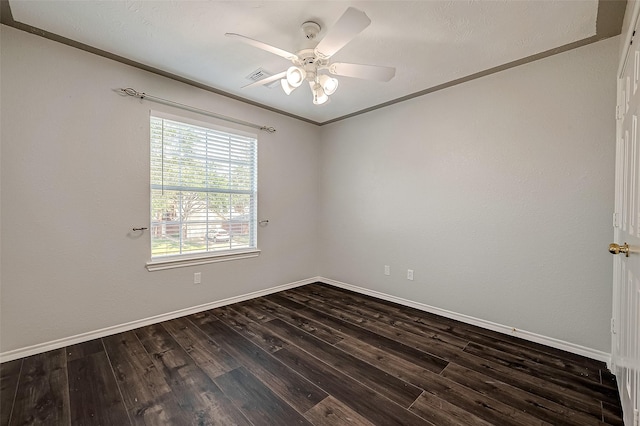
<point>312,355</point>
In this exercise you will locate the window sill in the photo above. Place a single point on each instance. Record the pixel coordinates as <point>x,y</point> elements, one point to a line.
<point>179,262</point>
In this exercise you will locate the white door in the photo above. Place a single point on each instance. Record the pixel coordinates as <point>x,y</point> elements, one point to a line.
<point>625,349</point>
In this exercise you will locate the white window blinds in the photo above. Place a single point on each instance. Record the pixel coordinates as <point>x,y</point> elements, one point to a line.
<point>203,189</point>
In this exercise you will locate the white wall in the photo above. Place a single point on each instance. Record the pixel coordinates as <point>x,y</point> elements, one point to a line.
<point>498,193</point>
<point>74,177</point>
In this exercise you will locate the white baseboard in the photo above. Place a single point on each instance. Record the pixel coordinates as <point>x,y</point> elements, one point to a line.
<point>84,337</point>
<point>526,335</point>
<point>504,329</point>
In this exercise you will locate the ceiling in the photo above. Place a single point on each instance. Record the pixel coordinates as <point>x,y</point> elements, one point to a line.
<point>432,44</point>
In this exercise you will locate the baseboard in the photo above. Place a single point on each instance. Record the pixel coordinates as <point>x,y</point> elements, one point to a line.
<point>523,334</point>
<point>84,337</point>
<point>500,328</point>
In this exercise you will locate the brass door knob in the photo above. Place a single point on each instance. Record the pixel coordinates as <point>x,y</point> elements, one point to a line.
<point>617,249</point>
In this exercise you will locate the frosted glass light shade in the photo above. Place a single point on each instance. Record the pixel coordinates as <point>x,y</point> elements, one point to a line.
<point>319,96</point>
<point>286,86</point>
<point>329,84</point>
<point>295,76</point>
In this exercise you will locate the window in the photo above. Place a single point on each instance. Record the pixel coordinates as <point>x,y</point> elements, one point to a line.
<point>203,190</point>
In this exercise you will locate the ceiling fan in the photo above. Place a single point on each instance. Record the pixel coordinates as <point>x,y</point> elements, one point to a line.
<point>313,65</point>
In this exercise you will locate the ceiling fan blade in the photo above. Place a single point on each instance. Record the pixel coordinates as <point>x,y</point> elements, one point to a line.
<point>267,80</point>
<point>264,46</point>
<point>350,24</point>
<point>367,72</point>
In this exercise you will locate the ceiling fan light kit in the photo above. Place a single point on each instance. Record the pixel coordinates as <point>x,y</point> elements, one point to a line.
<point>308,63</point>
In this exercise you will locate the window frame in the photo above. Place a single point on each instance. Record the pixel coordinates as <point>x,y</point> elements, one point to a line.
<point>203,257</point>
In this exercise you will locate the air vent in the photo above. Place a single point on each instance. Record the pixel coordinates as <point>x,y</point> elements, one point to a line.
<point>260,74</point>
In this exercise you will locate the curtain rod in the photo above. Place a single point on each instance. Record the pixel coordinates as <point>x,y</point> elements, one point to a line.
<point>132,92</point>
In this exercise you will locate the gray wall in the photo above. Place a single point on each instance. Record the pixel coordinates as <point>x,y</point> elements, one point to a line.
<point>498,193</point>
<point>75,180</point>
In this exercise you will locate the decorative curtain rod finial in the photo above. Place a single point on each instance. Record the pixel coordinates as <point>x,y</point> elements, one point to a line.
<point>129,91</point>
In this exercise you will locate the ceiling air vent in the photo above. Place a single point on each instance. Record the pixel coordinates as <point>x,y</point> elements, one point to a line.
<point>261,73</point>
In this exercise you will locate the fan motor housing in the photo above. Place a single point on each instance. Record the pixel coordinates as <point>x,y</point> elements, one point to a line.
<point>308,60</point>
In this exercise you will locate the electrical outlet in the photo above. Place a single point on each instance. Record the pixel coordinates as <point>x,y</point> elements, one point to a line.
<point>197,277</point>
<point>387,270</point>
<point>410,274</point>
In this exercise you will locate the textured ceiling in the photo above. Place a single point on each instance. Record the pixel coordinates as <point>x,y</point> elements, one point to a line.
<point>431,43</point>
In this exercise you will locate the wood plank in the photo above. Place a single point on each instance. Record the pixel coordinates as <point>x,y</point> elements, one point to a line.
<point>535,357</point>
<point>434,347</point>
<point>385,384</point>
<point>612,414</point>
<point>164,410</point>
<point>488,409</point>
<point>252,313</point>
<point>314,328</point>
<point>278,299</point>
<point>9,376</point>
<point>331,412</point>
<point>532,385</point>
<point>194,391</point>
<point>542,408</point>
<point>84,349</point>
<point>139,380</point>
<point>539,387</point>
<point>339,299</point>
<point>351,305</point>
<point>451,398</point>
<point>259,336</point>
<point>448,333</point>
<point>42,396</point>
<point>400,367</point>
<point>359,398</point>
<point>292,302</point>
<point>258,403</point>
<point>407,344</point>
<point>443,413</point>
<point>607,378</point>
<point>409,353</point>
<point>203,316</point>
<point>457,326</point>
<point>207,354</point>
<point>293,388</point>
<point>145,393</point>
<point>93,392</point>
<point>565,379</point>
